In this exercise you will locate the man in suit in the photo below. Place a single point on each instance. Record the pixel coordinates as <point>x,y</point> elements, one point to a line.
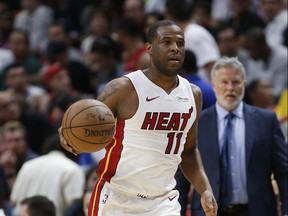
<point>255,150</point>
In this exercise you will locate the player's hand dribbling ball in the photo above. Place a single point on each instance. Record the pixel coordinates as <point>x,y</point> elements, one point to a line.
<point>88,125</point>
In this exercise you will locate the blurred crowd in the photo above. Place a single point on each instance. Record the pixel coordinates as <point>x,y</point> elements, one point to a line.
<point>53,53</point>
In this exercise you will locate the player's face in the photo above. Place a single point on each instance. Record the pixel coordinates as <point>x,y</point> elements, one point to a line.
<point>167,50</point>
<point>229,86</point>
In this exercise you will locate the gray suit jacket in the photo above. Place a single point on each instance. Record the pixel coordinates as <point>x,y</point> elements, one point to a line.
<point>266,152</point>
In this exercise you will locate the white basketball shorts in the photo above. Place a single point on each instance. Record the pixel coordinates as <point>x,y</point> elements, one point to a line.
<point>106,200</point>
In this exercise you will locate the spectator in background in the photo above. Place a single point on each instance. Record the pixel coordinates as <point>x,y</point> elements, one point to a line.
<point>57,32</point>
<point>19,45</point>
<point>67,13</point>
<point>37,125</point>
<point>277,21</point>
<point>91,176</point>
<point>8,171</point>
<point>229,44</point>
<point>6,23</point>
<point>58,82</point>
<point>99,24</point>
<point>58,106</point>
<point>135,9</point>
<point>7,177</point>
<point>8,164</point>
<point>15,139</point>
<point>37,206</point>
<point>134,54</point>
<point>259,93</point>
<point>56,110</point>
<point>80,207</point>
<point>190,72</point>
<point>6,26</point>
<point>197,38</point>
<point>53,175</point>
<point>220,11</point>
<point>16,81</point>
<point>14,150</point>
<point>104,61</point>
<point>243,18</point>
<point>268,62</point>
<point>86,13</point>
<point>79,74</point>
<point>34,18</point>
<point>201,14</point>
<point>6,58</point>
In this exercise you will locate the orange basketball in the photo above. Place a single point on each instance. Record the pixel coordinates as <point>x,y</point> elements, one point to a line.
<point>88,125</point>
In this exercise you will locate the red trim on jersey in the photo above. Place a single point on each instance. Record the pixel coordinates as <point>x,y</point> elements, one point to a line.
<point>95,198</point>
<point>108,165</point>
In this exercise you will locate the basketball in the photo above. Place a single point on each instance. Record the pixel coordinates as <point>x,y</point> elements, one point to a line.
<point>88,125</point>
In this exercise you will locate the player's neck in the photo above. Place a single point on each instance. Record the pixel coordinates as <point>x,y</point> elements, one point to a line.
<point>167,83</point>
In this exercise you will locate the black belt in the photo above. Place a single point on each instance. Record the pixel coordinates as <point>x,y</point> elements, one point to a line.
<point>231,209</point>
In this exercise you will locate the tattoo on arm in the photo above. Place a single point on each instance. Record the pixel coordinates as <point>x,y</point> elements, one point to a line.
<point>107,92</point>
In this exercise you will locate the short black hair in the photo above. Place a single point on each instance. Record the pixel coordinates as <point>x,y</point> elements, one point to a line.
<point>152,32</point>
<point>11,66</point>
<point>39,206</point>
<point>106,46</point>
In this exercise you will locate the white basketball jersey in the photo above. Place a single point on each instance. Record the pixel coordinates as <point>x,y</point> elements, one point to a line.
<point>146,150</point>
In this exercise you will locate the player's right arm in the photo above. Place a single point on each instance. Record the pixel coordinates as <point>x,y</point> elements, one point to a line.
<point>120,96</point>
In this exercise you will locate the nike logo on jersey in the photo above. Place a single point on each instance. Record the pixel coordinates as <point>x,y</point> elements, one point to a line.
<point>171,198</point>
<point>150,99</point>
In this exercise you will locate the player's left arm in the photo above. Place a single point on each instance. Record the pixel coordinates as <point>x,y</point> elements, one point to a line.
<point>192,166</point>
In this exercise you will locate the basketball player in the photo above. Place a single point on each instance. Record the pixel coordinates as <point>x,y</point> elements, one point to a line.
<point>156,125</point>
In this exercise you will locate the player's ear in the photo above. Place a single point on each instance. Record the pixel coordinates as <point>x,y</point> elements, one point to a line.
<point>148,48</point>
